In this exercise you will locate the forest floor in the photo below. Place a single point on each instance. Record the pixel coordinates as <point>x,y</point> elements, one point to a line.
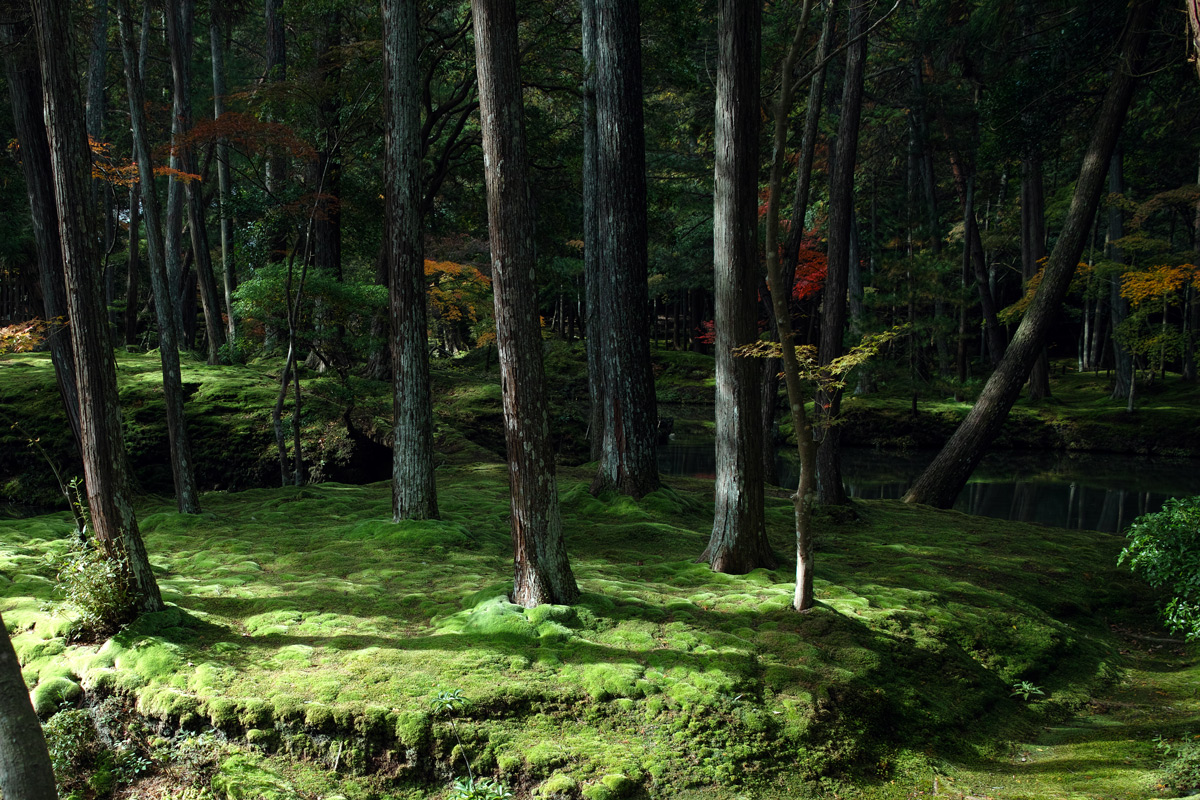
<point>308,636</point>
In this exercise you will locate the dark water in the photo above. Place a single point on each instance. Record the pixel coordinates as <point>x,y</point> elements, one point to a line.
<point>1094,492</point>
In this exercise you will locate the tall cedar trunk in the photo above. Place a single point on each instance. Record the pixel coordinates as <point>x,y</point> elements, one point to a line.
<point>841,217</point>
<point>941,482</point>
<point>738,542</point>
<point>179,18</point>
<point>594,295</point>
<point>628,457</point>
<point>276,66</point>
<point>187,498</point>
<point>25,771</point>
<point>542,573</point>
<point>414,492</point>
<point>105,466</point>
<point>1118,305</point>
<point>224,185</point>
<point>327,223</point>
<point>1193,11</point>
<point>1033,250</point>
<point>97,74</point>
<point>780,289</point>
<point>25,91</point>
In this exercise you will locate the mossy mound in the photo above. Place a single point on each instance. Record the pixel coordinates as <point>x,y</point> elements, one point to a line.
<point>306,623</point>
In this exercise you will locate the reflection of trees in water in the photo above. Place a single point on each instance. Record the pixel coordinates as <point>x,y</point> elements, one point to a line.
<point>1102,493</point>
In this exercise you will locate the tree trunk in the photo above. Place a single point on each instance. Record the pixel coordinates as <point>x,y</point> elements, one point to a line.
<point>594,324</point>
<point>25,91</point>
<point>941,482</point>
<point>1118,305</point>
<point>179,18</point>
<point>841,216</point>
<point>738,543</point>
<point>25,771</point>
<point>187,498</point>
<point>628,457</point>
<point>133,280</point>
<point>542,573</point>
<point>414,491</point>
<point>224,185</point>
<point>106,473</point>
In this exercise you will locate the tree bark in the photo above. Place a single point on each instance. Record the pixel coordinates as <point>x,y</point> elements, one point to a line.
<point>1033,250</point>
<point>25,91</point>
<point>187,498</point>
<point>841,216</point>
<point>109,489</point>
<point>542,573</point>
<point>414,491</point>
<point>594,294</point>
<point>179,18</point>
<point>628,457</point>
<point>25,771</point>
<point>224,184</point>
<point>1118,305</point>
<point>738,543</point>
<point>941,482</point>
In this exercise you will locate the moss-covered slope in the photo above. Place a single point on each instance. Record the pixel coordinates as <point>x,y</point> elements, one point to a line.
<point>305,622</point>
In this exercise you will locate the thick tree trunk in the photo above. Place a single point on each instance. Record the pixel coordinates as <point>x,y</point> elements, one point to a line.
<point>25,772</point>
<point>109,489</point>
<point>841,216</point>
<point>542,573</point>
<point>738,543</point>
<point>594,295</point>
<point>179,18</point>
<point>941,482</point>
<point>414,491</point>
<point>187,498</point>
<point>628,457</point>
<point>25,91</point>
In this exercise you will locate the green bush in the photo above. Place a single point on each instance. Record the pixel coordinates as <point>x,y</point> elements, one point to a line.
<point>1164,549</point>
<point>98,587</point>
<point>1181,762</point>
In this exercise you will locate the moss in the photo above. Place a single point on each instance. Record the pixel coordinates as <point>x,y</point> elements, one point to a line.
<point>557,787</point>
<point>52,694</point>
<point>242,777</point>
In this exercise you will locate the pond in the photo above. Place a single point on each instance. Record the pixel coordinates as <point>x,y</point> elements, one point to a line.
<point>1066,490</point>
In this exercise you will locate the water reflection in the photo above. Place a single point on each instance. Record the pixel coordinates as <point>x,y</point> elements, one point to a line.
<point>1094,492</point>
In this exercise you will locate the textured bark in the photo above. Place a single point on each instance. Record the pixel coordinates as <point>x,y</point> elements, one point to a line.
<point>1118,305</point>
<point>595,326</point>
<point>276,65</point>
<point>179,18</point>
<point>414,492</point>
<point>738,543</point>
<point>224,184</point>
<point>1193,11</point>
<point>106,472</point>
<point>841,217</point>
<point>25,91</point>
<point>628,457</point>
<point>327,222</point>
<point>542,573</point>
<point>96,76</point>
<point>25,772</point>
<point>187,498</point>
<point>941,482</point>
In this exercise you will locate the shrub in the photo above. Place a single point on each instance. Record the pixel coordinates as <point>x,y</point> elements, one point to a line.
<point>1164,549</point>
<point>98,587</point>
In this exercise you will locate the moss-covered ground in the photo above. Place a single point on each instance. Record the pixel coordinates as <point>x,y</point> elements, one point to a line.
<point>312,633</point>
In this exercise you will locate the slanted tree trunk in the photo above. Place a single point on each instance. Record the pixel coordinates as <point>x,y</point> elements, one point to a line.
<point>105,466</point>
<point>628,457</point>
<point>25,771</point>
<point>187,498</point>
<point>414,492</point>
<point>941,482</point>
<point>841,217</point>
<point>738,543</point>
<point>25,91</point>
<point>542,573</point>
<point>179,18</point>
